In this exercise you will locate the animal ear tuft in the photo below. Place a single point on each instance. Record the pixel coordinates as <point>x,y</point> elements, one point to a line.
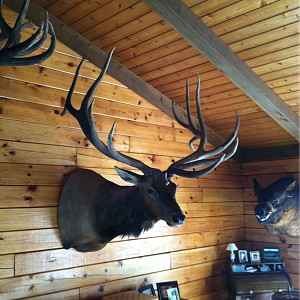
<point>129,176</point>
<point>292,188</point>
<point>257,187</point>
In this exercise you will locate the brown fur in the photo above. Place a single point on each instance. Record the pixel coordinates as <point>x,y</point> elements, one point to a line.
<point>278,206</point>
<point>289,224</point>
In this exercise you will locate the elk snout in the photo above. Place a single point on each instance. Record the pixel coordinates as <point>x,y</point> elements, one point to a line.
<point>178,220</point>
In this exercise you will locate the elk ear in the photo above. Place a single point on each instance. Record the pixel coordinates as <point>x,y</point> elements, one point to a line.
<point>129,176</point>
<point>292,188</point>
<point>257,187</point>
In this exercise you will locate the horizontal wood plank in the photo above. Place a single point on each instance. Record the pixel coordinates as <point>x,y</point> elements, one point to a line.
<point>29,196</point>
<point>269,167</point>
<point>14,130</point>
<point>45,95</point>
<point>59,259</point>
<point>252,222</point>
<point>219,294</point>
<point>26,219</point>
<point>197,256</point>
<point>16,152</point>
<point>31,240</point>
<point>82,276</point>
<point>213,209</point>
<point>49,115</point>
<point>261,235</point>
<point>48,77</point>
<point>67,295</point>
<point>183,275</point>
<point>7,266</point>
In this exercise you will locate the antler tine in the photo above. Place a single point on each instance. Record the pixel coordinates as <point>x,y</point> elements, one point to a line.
<point>206,162</point>
<point>202,133</point>
<point>84,115</point>
<point>91,91</point>
<point>198,134</point>
<point>68,105</point>
<point>21,48</point>
<point>226,144</point>
<point>85,118</point>
<point>15,34</point>
<point>195,174</point>
<point>197,159</point>
<point>39,43</point>
<point>124,158</point>
<point>86,100</point>
<point>14,49</point>
<point>190,124</point>
<point>5,29</point>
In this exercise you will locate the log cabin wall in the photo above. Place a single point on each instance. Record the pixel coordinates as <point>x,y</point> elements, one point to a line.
<point>256,235</point>
<point>39,148</point>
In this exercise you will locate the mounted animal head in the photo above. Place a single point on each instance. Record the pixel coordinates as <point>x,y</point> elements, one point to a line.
<point>10,54</point>
<point>278,206</point>
<point>109,210</point>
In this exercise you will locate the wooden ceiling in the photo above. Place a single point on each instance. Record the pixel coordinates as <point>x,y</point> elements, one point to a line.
<point>264,34</point>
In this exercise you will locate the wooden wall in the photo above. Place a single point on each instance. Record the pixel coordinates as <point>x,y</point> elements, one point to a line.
<point>256,236</point>
<point>39,148</point>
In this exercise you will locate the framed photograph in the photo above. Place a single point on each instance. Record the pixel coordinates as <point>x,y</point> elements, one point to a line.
<point>271,254</point>
<point>168,290</point>
<point>255,256</point>
<point>149,290</point>
<point>243,256</point>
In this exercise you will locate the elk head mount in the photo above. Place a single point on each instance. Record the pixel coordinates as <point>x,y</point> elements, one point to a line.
<point>11,54</point>
<point>92,210</point>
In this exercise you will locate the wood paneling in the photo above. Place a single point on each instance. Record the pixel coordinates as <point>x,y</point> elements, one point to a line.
<point>7,266</point>
<point>39,149</point>
<point>263,34</point>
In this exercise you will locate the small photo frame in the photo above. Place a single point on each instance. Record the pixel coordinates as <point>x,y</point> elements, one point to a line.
<point>271,254</point>
<point>168,290</point>
<point>173,294</point>
<point>149,290</point>
<point>255,256</point>
<point>243,256</point>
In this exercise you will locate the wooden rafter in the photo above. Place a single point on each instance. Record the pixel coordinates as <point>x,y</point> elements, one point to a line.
<point>89,51</point>
<point>190,27</point>
<point>270,153</point>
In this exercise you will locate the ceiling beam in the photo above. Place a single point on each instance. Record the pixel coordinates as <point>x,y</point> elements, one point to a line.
<point>96,56</point>
<point>190,27</point>
<point>270,153</point>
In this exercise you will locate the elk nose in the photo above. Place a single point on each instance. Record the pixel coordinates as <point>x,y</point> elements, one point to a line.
<point>259,211</point>
<point>179,220</point>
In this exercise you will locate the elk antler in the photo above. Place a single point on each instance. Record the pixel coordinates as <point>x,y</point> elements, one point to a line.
<point>85,118</point>
<point>11,53</point>
<point>197,159</point>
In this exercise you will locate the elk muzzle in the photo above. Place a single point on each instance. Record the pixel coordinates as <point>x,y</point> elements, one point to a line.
<point>178,220</point>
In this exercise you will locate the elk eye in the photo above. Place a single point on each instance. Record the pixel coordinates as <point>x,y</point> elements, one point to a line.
<point>151,192</point>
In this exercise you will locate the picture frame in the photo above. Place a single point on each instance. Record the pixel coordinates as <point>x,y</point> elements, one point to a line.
<point>243,256</point>
<point>163,287</point>
<point>149,290</point>
<point>271,254</point>
<point>255,256</point>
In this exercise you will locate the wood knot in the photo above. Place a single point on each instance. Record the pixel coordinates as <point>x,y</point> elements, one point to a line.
<point>32,188</point>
